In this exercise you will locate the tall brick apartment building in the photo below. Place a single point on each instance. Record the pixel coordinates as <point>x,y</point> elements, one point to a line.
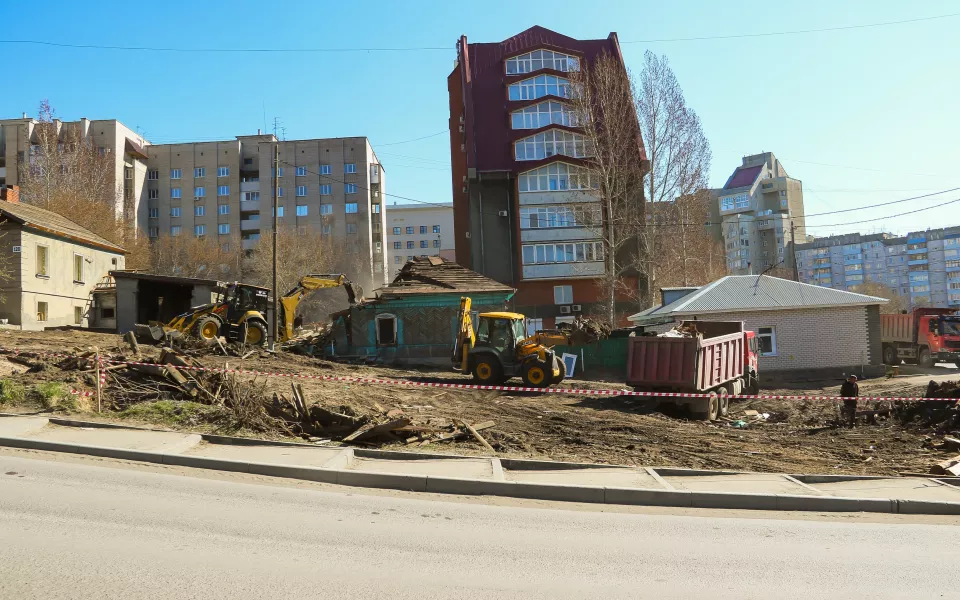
<point>516,154</point>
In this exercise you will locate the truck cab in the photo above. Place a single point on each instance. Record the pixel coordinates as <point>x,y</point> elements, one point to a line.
<point>942,333</point>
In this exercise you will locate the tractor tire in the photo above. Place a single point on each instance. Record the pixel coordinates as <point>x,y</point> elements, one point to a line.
<point>537,374</point>
<point>256,333</point>
<point>709,408</point>
<point>563,373</point>
<point>890,356</point>
<point>924,359</point>
<point>487,371</point>
<point>207,329</point>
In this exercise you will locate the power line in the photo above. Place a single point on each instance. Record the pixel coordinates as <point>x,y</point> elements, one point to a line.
<point>898,172</point>
<point>885,218</point>
<point>413,140</point>
<point>834,212</point>
<point>217,50</point>
<point>793,32</point>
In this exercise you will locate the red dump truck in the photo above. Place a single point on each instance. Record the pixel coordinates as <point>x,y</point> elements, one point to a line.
<point>720,360</point>
<point>925,336</point>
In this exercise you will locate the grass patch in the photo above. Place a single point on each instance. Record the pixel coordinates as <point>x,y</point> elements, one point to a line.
<point>11,392</point>
<point>170,412</point>
<point>51,394</point>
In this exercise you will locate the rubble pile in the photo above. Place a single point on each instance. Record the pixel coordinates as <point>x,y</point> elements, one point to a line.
<point>943,415</point>
<point>310,342</point>
<point>683,330</point>
<point>586,328</point>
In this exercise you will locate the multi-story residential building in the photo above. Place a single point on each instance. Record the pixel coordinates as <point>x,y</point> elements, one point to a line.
<point>19,145</point>
<point>761,210</point>
<point>923,267</point>
<point>520,190</point>
<point>418,230</point>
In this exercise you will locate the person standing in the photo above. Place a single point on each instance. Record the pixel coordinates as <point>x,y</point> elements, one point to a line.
<point>851,390</point>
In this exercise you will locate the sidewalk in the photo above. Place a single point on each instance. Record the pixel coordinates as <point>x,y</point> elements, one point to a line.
<point>453,474</point>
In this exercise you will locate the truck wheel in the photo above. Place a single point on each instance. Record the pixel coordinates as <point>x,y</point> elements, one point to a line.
<point>723,401</point>
<point>737,387</point>
<point>487,371</point>
<point>537,374</point>
<point>256,333</point>
<point>563,372</point>
<point>924,359</point>
<point>207,329</point>
<point>709,408</point>
<point>890,356</point>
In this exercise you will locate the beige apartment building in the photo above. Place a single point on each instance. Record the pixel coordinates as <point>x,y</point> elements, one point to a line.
<point>419,230</point>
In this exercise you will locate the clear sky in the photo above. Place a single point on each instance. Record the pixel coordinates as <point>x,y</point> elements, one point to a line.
<point>862,116</point>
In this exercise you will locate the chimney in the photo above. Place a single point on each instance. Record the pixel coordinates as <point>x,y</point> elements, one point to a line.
<point>258,131</point>
<point>24,115</point>
<point>11,194</point>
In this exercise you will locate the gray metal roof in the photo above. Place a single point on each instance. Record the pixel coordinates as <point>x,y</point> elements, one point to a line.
<point>758,292</point>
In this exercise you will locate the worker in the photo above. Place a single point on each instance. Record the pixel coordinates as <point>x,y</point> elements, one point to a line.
<point>850,389</point>
<point>500,334</point>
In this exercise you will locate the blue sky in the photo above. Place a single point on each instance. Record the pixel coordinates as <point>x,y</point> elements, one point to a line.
<point>861,116</point>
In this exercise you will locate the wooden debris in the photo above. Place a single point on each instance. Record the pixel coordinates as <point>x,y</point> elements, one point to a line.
<point>131,338</point>
<point>951,442</point>
<point>459,433</point>
<point>478,437</point>
<point>947,467</point>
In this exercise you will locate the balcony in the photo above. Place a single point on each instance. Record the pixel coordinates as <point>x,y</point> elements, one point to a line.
<point>249,244</point>
<point>917,250</point>
<point>559,270</point>
<point>558,197</point>
<point>249,206</point>
<point>558,234</point>
<point>766,224</point>
<point>250,225</point>
<point>250,185</point>
<point>919,261</point>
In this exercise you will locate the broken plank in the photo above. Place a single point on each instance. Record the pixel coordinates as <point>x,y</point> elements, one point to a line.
<point>479,437</point>
<point>378,408</point>
<point>950,466</point>
<point>363,429</point>
<point>951,441</point>
<point>378,430</point>
<point>131,338</point>
<point>459,434</point>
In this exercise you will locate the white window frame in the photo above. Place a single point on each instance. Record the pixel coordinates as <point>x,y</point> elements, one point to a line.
<point>175,193</point>
<point>561,252</point>
<point>82,269</point>
<point>153,232</point>
<point>541,59</point>
<point>325,169</point>
<point>199,192</point>
<point>554,142</point>
<point>538,87</point>
<point>533,325</point>
<point>351,208</point>
<point>175,230</point>
<point>176,174</point>
<point>326,209</point>
<point>223,190</point>
<point>199,172</point>
<point>223,171</point>
<point>78,315</point>
<point>543,114</point>
<point>556,177</point>
<point>326,189</point>
<point>175,211</point>
<point>772,334</point>
<point>555,217</point>
<point>302,210</point>
<point>563,294</point>
<point>301,171</point>
<point>154,213</point>
<point>153,175</point>
<point>43,314</point>
<point>199,230</point>
<point>223,209</point>
<point>223,228</point>
<point>349,188</point>
<point>153,194</point>
<point>199,210</point>
<point>350,168</point>
<point>301,191</point>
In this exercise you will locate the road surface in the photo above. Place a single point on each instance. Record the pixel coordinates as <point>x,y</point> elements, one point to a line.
<point>79,530</point>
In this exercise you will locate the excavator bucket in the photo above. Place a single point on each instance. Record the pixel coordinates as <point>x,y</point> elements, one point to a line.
<point>154,333</point>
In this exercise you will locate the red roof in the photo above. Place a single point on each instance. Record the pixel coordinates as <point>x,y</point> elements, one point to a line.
<point>743,176</point>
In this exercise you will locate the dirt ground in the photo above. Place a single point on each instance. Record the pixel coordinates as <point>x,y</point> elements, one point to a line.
<point>799,436</point>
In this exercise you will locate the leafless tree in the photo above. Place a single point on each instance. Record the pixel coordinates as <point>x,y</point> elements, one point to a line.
<point>686,254</point>
<point>896,304</point>
<point>219,258</point>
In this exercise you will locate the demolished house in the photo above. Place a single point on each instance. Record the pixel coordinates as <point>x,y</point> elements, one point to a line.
<point>413,320</point>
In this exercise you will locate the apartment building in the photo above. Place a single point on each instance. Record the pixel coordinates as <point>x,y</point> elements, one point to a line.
<point>125,148</point>
<point>760,209</point>
<point>923,267</point>
<point>520,189</point>
<point>418,230</point>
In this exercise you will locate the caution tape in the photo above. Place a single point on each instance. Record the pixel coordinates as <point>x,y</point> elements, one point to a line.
<point>473,386</point>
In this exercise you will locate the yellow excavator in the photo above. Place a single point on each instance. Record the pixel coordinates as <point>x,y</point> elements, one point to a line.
<point>239,312</point>
<point>500,349</point>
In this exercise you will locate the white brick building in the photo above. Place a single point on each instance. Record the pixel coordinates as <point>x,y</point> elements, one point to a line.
<point>799,326</point>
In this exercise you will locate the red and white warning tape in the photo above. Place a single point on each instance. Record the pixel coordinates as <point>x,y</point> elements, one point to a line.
<point>471,386</point>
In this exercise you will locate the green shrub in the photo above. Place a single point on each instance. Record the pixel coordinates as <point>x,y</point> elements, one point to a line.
<point>11,392</point>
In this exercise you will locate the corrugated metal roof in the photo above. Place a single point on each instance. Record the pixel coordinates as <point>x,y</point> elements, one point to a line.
<point>39,218</point>
<point>758,292</point>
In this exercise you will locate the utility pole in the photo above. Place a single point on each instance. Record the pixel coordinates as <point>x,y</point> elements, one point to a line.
<point>276,204</point>
<point>793,247</point>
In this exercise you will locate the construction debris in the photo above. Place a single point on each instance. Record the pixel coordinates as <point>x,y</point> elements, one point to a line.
<point>683,330</point>
<point>945,416</point>
<point>947,467</point>
<point>310,342</point>
<point>586,328</point>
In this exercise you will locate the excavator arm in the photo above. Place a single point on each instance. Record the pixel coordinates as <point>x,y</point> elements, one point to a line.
<point>466,338</point>
<point>309,283</point>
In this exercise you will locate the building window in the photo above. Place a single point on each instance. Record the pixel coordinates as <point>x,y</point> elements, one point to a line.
<point>199,211</point>
<point>396,231</point>
<point>41,311</point>
<point>279,211</point>
<point>153,194</point>
<point>153,174</point>
<point>326,189</point>
<point>409,245</point>
<point>223,229</point>
<point>279,192</point>
<point>409,230</point>
<point>325,170</point>
<point>556,177</point>
<point>302,210</point>
<point>376,209</point>
<point>301,171</point>
<point>199,230</point>
<point>200,172</point>
<point>552,143</point>
<point>533,326</point>
<point>542,59</point>
<point>397,259</point>
<point>436,243</point>
<point>223,190</point>
<point>154,213</point>
<point>174,211</point>
<point>351,227</point>
<point>534,254</point>
<point>174,173</point>
<point>767,340</point>
<point>541,217</point>
<point>397,245</point>
<point>199,192</point>
<point>350,207</point>
<point>423,230</point>
<point>349,188</point>
<point>175,230</point>
<point>153,232</point>
<point>563,294</point>
<point>326,209</point>
<point>273,172</point>
<point>538,87</point>
<point>223,209</point>
<point>542,115</point>
<point>223,171</point>
<point>350,168</point>
<point>386,330</point>
<point>326,229</point>
<point>174,193</point>
<point>301,190</point>
<point>77,268</point>
<point>77,315</point>
<point>423,243</point>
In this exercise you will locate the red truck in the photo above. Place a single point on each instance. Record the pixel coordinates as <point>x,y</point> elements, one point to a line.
<point>719,361</point>
<point>925,337</point>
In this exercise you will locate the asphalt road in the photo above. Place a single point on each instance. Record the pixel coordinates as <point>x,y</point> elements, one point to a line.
<point>81,531</point>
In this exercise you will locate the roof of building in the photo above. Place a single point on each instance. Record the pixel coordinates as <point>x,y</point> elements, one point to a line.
<point>53,223</point>
<point>164,278</point>
<point>735,293</point>
<point>743,176</point>
<point>434,275</point>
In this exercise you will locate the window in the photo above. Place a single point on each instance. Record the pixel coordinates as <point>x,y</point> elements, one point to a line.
<point>174,211</point>
<point>326,189</point>
<point>436,229</point>
<point>223,190</point>
<point>350,207</point>
<point>223,209</point>
<point>223,229</point>
<point>543,114</point>
<point>558,176</point>
<point>200,172</point>
<point>199,211</point>
<point>397,245</point>
<point>409,245</point>
<point>558,216</point>
<point>174,193</point>
<point>199,230</point>
<point>563,294</point>
<point>77,268</point>
<point>302,210</point>
<point>562,253</point>
<point>409,230</point>
<point>376,209</point>
<point>386,330</point>
<point>153,174</point>
<point>767,340</point>
<point>326,209</point>
<point>174,173</point>
<point>533,326</point>
<point>326,229</point>
<point>423,230</point>
<point>351,227</point>
<point>279,192</point>
<point>436,243</point>
<point>350,168</point>
<point>349,188</point>
<point>153,232</point>
<point>397,259</point>
<point>538,87</point>
<point>423,243</point>
<point>542,59</point>
<point>396,231</point>
<point>154,213</point>
<point>153,194</point>
<point>223,171</point>
<point>325,169</point>
<point>301,171</point>
<point>273,172</point>
<point>552,143</point>
<point>279,211</point>
<point>175,230</point>
<point>41,311</point>
<point>199,192</point>
<point>77,315</point>
<point>301,190</point>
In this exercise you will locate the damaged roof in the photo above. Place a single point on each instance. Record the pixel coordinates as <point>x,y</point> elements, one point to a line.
<point>434,275</point>
<point>50,222</point>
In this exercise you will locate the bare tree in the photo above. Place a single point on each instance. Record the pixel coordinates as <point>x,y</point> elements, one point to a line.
<point>686,254</point>
<point>896,304</point>
<point>218,258</point>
